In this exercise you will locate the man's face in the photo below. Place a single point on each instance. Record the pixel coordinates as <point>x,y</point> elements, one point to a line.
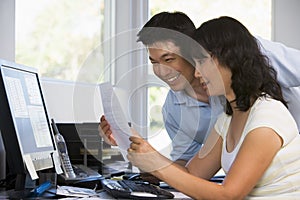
<point>169,66</point>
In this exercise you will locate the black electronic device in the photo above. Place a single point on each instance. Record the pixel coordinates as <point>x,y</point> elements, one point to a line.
<point>83,142</point>
<point>72,173</point>
<point>24,124</point>
<point>127,189</point>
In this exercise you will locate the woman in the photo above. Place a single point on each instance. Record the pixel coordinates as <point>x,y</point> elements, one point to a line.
<point>256,141</point>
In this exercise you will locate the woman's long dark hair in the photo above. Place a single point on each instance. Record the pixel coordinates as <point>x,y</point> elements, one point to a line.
<point>234,47</point>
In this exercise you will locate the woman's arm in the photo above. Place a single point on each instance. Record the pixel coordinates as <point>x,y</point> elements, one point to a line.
<point>207,162</point>
<point>254,157</point>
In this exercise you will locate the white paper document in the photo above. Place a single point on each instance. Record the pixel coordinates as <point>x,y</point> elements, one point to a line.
<point>75,191</point>
<point>116,118</point>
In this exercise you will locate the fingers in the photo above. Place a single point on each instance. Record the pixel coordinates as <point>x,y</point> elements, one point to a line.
<point>105,127</point>
<point>135,144</point>
<point>136,139</point>
<point>102,118</point>
<point>139,145</point>
<point>112,140</point>
<point>105,131</point>
<point>134,147</point>
<point>129,150</point>
<point>147,161</point>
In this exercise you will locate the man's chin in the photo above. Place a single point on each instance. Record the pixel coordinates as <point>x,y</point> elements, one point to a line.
<point>176,89</point>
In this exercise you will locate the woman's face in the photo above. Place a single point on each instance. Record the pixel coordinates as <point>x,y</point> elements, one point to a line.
<point>213,77</point>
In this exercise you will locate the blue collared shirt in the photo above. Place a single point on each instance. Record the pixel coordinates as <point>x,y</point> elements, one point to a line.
<point>188,122</point>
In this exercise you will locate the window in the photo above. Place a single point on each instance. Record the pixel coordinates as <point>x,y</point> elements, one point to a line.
<point>254,14</point>
<point>62,38</point>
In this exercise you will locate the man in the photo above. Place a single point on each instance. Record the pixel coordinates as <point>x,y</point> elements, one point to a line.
<point>188,112</point>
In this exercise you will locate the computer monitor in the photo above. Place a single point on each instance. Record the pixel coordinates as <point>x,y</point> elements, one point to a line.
<point>24,123</point>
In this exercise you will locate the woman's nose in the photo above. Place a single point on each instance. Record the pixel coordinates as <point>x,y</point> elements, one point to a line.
<point>197,73</point>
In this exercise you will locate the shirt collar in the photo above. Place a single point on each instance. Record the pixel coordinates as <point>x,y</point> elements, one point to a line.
<point>183,98</point>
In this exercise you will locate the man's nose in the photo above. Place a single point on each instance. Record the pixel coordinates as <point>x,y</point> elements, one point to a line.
<point>164,70</point>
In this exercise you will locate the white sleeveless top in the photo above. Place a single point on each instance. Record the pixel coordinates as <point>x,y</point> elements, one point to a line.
<point>283,175</point>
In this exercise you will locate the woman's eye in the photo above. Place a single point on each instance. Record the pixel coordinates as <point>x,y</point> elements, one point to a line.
<point>201,61</point>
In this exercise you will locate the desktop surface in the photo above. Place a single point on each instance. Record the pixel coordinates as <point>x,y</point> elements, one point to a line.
<point>51,193</point>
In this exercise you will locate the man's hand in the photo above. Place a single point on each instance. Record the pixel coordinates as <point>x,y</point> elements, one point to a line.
<point>105,132</point>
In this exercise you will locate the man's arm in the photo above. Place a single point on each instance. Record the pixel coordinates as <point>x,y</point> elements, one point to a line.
<point>183,146</point>
<point>285,60</point>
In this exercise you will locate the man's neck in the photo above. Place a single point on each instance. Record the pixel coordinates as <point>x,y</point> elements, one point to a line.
<point>197,92</point>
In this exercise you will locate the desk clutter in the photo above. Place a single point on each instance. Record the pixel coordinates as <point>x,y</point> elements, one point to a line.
<point>130,189</point>
<point>126,186</point>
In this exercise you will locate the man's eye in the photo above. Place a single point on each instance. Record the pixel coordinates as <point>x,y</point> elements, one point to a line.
<point>169,59</point>
<point>154,63</point>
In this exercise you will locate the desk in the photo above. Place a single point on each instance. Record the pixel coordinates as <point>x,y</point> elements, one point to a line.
<point>101,195</point>
<point>178,195</point>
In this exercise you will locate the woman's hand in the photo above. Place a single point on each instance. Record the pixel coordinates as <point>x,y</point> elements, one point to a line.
<point>142,155</point>
<point>105,132</point>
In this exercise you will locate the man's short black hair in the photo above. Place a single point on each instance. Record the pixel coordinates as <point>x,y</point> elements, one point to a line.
<point>156,28</point>
<point>176,27</point>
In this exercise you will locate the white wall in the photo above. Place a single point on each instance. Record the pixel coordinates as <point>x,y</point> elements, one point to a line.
<point>7,27</point>
<point>69,102</point>
<point>286,16</point>
<point>7,52</point>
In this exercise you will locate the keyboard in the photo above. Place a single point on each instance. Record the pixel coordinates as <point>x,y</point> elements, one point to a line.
<point>134,190</point>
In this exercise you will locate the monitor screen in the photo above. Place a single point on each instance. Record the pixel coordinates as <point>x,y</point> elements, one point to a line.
<point>24,123</point>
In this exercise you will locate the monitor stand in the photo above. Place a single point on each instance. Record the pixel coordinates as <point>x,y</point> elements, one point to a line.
<point>20,191</point>
<point>23,189</point>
